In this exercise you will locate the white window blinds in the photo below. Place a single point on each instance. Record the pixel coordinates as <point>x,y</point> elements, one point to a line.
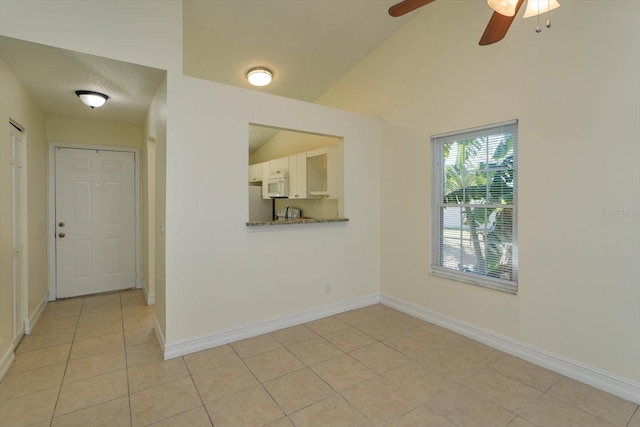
<point>475,205</point>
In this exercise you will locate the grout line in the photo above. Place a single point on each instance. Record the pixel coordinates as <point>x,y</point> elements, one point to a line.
<point>126,365</point>
<point>636,412</point>
<point>204,405</point>
<point>55,406</point>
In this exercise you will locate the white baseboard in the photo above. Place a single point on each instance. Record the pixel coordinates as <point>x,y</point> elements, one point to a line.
<point>150,297</point>
<point>595,377</point>
<point>5,362</point>
<point>160,335</point>
<point>191,345</point>
<point>33,319</point>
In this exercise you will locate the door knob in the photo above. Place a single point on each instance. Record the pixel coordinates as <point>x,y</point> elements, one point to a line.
<point>61,234</point>
<point>61,224</point>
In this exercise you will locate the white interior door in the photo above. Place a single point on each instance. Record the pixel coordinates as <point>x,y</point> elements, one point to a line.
<point>17,222</point>
<point>95,221</point>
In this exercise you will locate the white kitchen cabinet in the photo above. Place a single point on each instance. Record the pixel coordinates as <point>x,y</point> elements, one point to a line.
<point>335,172</point>
<point>277,166</point>
<point>298,176</point>
<point>325,173</point>
<point>255,172</point>
<point>317,174</point>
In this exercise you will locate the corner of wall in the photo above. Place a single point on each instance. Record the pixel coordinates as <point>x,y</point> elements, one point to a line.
<point>33,318</point>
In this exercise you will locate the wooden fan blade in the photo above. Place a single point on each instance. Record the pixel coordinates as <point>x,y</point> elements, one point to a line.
<point>498,26</point>
<point>407,6</point>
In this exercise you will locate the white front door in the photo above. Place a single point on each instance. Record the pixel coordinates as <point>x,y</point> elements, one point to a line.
<point>95,221</point>
<point>17,222</point>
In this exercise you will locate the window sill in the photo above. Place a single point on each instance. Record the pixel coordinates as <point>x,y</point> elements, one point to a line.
<point>484,282</point>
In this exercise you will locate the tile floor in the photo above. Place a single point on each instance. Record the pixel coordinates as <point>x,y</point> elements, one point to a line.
<point>95,361</point>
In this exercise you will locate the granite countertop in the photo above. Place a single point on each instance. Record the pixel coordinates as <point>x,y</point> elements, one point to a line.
<point>294,221</point>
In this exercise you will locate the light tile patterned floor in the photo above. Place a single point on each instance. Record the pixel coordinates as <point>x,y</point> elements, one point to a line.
<point>95,361</point>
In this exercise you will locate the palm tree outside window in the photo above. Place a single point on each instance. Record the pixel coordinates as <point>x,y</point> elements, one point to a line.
<point>475,206</point>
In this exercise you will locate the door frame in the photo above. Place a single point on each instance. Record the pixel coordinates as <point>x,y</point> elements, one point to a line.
<point>24,222</point>
<point>51,239</point>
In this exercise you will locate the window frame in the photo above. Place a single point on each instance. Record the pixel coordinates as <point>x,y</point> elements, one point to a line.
<point>438,193</point>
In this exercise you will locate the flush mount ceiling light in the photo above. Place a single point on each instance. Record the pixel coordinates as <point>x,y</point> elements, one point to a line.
<point>259,76</point>
<point>92,99</point>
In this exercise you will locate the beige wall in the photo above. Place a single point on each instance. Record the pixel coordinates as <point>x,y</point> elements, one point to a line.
<point>575,90</point>
<point>154,202</point>
<point>15,104</point>
<point>93,132</point>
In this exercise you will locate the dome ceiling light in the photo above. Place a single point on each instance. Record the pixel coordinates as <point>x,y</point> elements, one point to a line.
<point>92,99</point>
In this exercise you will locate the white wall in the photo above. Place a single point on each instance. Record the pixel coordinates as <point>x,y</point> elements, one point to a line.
<point>219,274</point>
<point>575,90</point>
<point>230,275</point>
<point>156,129</point>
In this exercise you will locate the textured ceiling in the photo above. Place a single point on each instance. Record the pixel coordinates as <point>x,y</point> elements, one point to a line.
<point>52,76</point>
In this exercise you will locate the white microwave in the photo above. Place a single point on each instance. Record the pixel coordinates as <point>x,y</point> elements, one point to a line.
<point>277,186</point>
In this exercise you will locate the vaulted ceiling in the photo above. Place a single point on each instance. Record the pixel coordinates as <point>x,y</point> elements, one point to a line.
<point>308,44</point>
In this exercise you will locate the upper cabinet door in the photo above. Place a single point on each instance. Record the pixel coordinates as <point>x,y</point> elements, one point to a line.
<point>255,172</point>
<point>298,176</point>
<point>278,166</point>
<point>335,172</point>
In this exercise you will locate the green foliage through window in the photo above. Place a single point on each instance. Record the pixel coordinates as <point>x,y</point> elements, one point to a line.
<point>475,205</point>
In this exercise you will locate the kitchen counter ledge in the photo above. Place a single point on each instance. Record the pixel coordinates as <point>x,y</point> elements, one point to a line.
<point>294,221</point>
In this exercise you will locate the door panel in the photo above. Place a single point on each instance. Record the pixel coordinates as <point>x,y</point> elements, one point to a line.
<point>95,221</point>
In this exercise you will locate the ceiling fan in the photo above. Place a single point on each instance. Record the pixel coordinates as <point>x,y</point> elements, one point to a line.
<point>504,13</point>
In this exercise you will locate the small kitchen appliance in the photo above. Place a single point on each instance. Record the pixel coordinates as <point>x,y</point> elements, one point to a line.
<point>288,213</point>
<point>277,186</point>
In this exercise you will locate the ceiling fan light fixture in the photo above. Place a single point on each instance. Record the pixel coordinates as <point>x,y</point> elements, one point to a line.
<point>535,7</point>
<point>92,99</point>
<point>503,7</point>
<point>259,76</point>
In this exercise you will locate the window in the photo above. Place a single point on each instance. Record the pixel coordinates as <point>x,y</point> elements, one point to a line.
<point>475,206</point>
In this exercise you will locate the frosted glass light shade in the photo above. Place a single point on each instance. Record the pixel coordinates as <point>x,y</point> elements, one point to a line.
<point>503,7</point>
<point>259,76</point>
<point>92,99</point>
<point>543,5</point>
